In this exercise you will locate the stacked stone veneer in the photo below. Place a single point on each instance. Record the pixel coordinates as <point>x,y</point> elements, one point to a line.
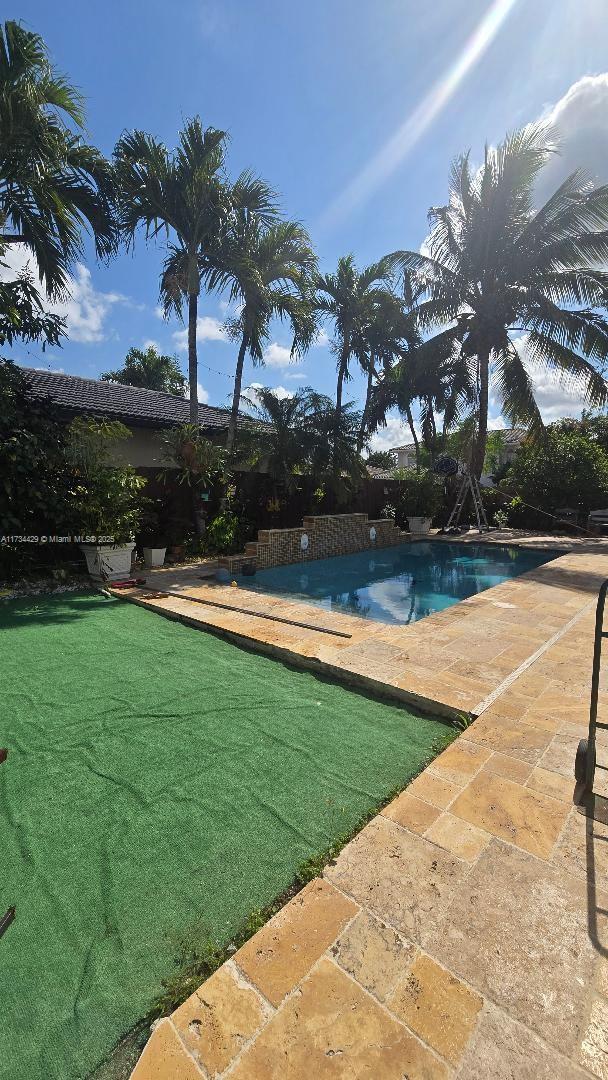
<point>332,534</point>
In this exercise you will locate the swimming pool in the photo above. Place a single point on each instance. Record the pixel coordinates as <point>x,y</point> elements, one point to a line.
<point>399,584</point>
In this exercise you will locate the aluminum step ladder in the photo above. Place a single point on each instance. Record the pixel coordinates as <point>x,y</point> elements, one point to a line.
<point>469,485</point>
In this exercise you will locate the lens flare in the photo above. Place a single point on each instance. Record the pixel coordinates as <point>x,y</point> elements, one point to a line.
<point>405,138</point>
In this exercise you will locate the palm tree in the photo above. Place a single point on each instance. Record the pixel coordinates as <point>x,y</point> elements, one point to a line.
<point>267,270</point>
<point>149,369</point>
<point>388,334</point>
<point>439,381</point>
<point>346,298</point>
<point>52,184</point>
<point>497,269</point>
<point>184,194</point>
<point>277,445</point>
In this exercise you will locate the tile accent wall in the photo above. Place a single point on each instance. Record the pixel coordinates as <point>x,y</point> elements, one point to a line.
<point>328,535</point>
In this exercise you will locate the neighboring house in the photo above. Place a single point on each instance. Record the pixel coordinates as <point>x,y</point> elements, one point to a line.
<point>511,440</point>
<point>406,456</point>
<point>147,413</point>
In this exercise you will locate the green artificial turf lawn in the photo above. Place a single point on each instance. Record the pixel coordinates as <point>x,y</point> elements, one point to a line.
<point>158,779</point>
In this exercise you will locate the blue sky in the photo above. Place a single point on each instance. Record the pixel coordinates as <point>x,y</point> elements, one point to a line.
<point>310,94</point>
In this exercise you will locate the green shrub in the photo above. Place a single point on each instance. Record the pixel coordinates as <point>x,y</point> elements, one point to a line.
<point>566,469</point>
<point>106,499</point>
<point>224,534</point>
<point>418,494</point>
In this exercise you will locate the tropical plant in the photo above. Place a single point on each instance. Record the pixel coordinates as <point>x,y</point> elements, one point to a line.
<point>184,194</point>
<point>198,460</point>
<point>564,469</point>
<point>333,454</point>
<point>504,282</point>
<point>280,444</point>
<point>106,499</point>
<point>199,464</point>
<point>267,271</point>
<point>295,437</point>
<point>386,334</point>
<point>345,298</point>
<point>224,534</point>
<point>149,369</point>
<point>52,184</point>
<point>382,459</point>
<point>34,488</point>
<point>418,494</point>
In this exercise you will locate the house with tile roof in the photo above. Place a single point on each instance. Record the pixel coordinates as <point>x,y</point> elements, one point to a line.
<point>511,441</point>
<point>146,413</point>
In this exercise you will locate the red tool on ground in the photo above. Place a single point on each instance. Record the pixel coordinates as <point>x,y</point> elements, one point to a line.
<point>7,918</point>
<point>128,583</point>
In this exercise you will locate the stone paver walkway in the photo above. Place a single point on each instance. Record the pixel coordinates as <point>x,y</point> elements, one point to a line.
<point>463,933</point>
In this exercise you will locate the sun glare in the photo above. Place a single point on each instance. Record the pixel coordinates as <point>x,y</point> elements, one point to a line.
<point>405,138</point>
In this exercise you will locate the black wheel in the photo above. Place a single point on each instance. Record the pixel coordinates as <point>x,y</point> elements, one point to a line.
<point>585,757</point>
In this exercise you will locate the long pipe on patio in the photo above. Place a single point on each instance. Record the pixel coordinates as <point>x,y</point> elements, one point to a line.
<point>245,611</point>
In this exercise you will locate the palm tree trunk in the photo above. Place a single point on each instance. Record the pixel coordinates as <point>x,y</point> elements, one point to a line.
<point>341,373</point>
<point>483,359</point>
<point>236,396</point>
<point>192,356</point>
<point>410,420</point>
<point>361,435</point>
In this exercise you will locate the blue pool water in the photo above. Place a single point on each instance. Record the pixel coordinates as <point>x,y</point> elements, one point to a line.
<point>399,584</point>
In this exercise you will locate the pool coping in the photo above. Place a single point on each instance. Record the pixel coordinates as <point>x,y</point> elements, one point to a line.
<point>449,663</point>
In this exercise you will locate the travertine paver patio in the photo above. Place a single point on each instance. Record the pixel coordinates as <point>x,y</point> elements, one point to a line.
<point>464,932</point>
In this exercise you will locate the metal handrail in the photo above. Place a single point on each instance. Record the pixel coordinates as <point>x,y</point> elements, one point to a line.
<point>586,757</point>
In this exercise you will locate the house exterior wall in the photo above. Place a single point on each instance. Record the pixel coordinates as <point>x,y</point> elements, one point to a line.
<point>328,535</point>
<point>406,459</point>
<point>143,450</point>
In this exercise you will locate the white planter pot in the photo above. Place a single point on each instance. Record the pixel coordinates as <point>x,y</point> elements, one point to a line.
<point>154,557</point>
<point>105,562</point>
<point>420,525</point>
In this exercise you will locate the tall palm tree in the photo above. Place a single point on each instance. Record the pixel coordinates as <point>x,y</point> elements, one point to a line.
<point>388,334</point>
<point>267,271</point>
<point>52,184</point>
<point>184,194</point>
<point>346,298</point>
<point>497,269</point>
<point>439,380</point>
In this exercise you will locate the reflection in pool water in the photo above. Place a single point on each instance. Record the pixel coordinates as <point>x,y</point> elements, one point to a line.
<point>400,584</point>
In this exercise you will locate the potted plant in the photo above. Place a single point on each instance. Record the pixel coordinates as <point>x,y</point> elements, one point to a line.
<point>106,499</point>
<point>419,497</point>
<point>153,536</point>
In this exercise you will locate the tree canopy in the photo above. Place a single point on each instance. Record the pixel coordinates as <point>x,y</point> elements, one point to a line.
<point>150,369</point>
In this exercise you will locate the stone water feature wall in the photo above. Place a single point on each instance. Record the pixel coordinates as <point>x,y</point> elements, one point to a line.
<point>331,534</point>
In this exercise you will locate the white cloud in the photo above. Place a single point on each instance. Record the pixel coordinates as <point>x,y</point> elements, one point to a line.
<point>321,339</point>
<point>497,423</point>
<point>207,329</point>
<point>203,395</point>
<point>276,355</point>
<point>396,433</point>
<point>150,343</point>
<point>158,311</point>
<point>250,393</point>
<point>84,311</point>
<point>580,120</point>
<point>554,398</point>
<point>294,376</point>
